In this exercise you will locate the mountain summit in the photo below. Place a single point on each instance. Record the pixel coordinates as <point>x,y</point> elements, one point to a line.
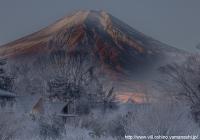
<point>109,41</point>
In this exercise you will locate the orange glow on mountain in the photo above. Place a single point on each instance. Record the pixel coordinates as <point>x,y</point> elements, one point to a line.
<point>138,98</point>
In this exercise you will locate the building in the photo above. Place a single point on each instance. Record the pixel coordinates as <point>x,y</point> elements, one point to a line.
<point>7,99</point>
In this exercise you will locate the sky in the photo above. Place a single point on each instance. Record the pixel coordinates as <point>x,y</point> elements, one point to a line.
<point>174,22</point>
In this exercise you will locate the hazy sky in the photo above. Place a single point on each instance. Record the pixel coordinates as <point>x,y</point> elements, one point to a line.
<point>175,22</point>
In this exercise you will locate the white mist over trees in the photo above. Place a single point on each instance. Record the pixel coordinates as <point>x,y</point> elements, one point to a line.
<point>80,83</point>
<point>76,80</point>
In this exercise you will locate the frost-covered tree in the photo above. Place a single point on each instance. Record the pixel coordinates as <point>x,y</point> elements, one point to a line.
<point>75,77</point>
<point>184,80</point>
<point>6,81</point>
<point>165,119</point>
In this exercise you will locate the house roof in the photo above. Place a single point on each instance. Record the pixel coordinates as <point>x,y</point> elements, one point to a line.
<point>7,94</point>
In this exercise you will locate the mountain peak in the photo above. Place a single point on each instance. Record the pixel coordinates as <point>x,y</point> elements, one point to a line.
<point>83,16</point>
<point>36,40</point>
<point>110,41</point>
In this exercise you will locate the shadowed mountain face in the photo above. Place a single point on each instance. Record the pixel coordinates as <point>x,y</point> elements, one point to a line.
<point>112,44</point>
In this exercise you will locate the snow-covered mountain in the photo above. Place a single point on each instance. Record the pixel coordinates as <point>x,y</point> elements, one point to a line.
<point>110,42</point>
